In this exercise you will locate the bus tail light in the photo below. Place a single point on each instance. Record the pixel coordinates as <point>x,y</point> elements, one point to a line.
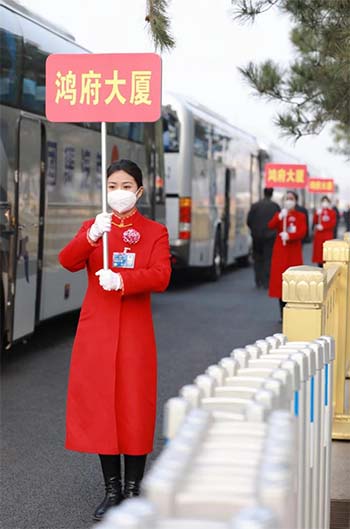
<point>185,206</point>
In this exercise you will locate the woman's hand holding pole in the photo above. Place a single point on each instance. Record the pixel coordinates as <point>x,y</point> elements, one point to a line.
<point>283,216</point>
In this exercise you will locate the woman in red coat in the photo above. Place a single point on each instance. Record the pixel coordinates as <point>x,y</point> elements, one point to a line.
<point>111,404</point>
<point>287,251</point>
<point>324,222</point>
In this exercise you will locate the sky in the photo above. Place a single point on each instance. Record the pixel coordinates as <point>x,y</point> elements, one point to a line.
<point>210,46</point>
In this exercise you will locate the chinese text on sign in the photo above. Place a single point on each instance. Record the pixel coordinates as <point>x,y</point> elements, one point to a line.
<point>321,185</point>
<point>103,87</point>
<point>285,175</point>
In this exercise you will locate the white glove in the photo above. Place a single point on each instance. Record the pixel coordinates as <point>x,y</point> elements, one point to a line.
<point>319,227</point>
<point>109,280</point>
<point>283,213</point>
<point>319,211</point>
<point>284,235</point>
<point>103,222</point>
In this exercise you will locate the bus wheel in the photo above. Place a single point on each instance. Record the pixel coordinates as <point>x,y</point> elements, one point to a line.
<point>215,270</point>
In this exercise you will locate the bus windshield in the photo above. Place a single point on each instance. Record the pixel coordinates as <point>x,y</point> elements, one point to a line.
<point>171,131</point>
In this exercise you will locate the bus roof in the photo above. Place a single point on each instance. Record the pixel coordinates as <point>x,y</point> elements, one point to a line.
<point>198,108</point>
<point>34,17</point>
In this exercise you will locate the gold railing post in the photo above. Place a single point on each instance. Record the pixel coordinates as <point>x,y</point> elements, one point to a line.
<point>337,252</point>
<point>347,239</point>
<point>304,290</point>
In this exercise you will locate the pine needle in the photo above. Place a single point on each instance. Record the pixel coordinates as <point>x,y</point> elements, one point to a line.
<point>159,24</point>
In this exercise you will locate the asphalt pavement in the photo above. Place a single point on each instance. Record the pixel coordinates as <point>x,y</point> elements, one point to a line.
<point>45,486</point>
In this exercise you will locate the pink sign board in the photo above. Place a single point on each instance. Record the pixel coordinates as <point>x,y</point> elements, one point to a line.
<point>103,87</point>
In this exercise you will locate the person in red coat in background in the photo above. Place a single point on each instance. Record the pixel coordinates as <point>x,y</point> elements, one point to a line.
<point>325,220</point>
<point>111,402</point>
<point>287,251</point>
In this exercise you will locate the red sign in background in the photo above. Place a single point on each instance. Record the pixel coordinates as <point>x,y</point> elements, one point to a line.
<point>285,175</point>
<point>103,87</point>
<point>321,185</point>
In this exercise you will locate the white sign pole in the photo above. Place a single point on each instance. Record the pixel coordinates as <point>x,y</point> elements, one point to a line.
<point>284,229</point>
<point>104,189</point>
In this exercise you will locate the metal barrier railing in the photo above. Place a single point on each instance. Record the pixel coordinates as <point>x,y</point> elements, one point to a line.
<point>248,445</point>
<point>318,303</point>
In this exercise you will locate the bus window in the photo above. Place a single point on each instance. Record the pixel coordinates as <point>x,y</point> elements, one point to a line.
<point>171,132</point>
<point>33,87</point>
<point>219,143</point>
<point>11,46</point>
<point>39,42</point>
<point>121,130</point>
<point>201,139</point>
<point>136,132</point>
<point>91,125</point>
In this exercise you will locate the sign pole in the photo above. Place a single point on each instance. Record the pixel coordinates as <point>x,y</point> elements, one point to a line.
<point>104,189</point>
<point>284,229</point>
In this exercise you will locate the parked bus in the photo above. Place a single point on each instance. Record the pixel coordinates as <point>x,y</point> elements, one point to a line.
<point>51,175</point>
<point>213,173</point>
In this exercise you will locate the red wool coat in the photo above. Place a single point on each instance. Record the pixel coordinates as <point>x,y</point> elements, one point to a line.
<point>289,255</point>
<point>328,219</point>
<point>111,403</point>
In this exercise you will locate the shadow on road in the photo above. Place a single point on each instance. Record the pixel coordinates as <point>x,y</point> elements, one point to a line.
<point>48,333</point>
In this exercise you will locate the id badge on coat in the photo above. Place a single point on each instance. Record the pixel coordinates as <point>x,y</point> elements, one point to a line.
<point>123,260</point>
<point>292,228</point>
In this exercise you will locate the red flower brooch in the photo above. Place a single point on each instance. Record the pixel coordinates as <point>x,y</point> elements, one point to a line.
<point>131,236</point>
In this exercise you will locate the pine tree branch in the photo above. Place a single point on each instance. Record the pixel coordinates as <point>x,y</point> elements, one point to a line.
<point>248,10</point>
<point>315,89</point>
<point>159,24</point>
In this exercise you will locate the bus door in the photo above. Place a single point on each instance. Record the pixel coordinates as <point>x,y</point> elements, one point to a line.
<point>29,220</point>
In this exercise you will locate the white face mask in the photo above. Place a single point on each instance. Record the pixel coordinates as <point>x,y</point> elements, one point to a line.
<point>121,200</point>
<point>325,204</point>
<point>289,204</point>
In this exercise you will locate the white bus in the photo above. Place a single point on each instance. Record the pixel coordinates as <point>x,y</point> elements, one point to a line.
<point>51,176</point>
<point>213,173</point>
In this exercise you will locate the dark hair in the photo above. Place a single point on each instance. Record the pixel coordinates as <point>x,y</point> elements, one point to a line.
<point>129,167</point>
<point>268,192</point>
<point>325,198</point>
<point>294,195</point>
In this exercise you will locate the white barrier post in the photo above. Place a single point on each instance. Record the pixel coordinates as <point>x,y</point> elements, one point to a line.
<point>206,383</point>
<point>218,373</point>
<point>136,513</point>
<point>301,413</point>
<point>175,411</point>
<point>329,381</point>
<point>316,412</point>
<point>242,356</point>
<point>254,518</point>
<point>254,351</point>
<point>309,426</point>
<point>230,365</point>
<point>264,346</point>
<point>192,394</point>
<point>282,338</point>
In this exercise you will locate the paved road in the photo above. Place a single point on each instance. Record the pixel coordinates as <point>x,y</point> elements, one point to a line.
<point>46,487</point>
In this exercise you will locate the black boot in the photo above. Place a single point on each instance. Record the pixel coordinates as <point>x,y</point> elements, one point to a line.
<point>131,489</point>
<point>112,498</point>
<point>134,469</point>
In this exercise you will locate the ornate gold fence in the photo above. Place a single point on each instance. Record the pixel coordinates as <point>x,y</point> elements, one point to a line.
<point>318,303</point>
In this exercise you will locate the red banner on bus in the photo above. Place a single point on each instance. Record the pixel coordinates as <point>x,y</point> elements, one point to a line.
<point>285,175</point>
<point>103,87</point>
<point>321,185</point>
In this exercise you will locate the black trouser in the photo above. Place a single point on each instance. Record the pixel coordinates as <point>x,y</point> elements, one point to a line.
<point>134,467</point>
<point>262,253</point>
